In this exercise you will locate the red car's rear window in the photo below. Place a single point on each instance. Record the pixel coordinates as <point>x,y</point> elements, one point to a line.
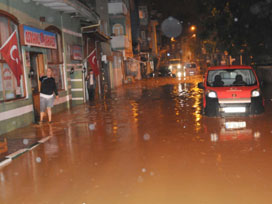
<point>231,77</point>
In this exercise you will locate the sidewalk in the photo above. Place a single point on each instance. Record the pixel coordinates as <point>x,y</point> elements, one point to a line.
<point>21,140</point>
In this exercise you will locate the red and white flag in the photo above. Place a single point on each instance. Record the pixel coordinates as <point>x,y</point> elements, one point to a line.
<point>10,52</point>
<point>93,62</point>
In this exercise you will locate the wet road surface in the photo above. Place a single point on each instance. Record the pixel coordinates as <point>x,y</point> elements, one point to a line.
<point>148,143</point>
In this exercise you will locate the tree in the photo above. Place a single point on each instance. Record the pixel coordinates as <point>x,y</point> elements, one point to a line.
<point>237,27</point>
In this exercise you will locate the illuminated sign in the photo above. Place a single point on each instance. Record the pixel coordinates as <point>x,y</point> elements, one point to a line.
<point>39,38</point>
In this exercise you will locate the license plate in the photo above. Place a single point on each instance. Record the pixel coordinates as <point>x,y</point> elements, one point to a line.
<point>234,109</point>
<point>235,125</point>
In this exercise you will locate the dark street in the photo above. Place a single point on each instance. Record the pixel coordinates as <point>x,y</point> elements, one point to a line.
<point>147,143</point>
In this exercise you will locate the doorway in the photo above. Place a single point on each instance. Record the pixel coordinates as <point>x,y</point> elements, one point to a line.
<point>36,70</point>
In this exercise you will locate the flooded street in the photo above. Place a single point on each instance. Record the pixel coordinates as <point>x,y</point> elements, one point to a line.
<point>148,143</point>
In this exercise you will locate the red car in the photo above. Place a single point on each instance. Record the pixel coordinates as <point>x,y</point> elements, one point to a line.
<point>231,90</point>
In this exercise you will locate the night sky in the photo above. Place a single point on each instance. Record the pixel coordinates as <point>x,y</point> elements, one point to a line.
<point>194,10</point>
<point>231,25</point>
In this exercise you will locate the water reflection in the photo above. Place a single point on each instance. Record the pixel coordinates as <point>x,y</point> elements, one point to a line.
<point>231,130</point>
<point>134,110</point>
<point>197,106</point>
<point>185,97</point>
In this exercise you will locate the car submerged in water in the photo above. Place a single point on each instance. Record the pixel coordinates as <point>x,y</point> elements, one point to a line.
<point>231,90</point>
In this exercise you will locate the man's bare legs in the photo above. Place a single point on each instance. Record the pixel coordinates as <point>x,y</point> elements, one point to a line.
<point>49,112</point>
<point>42,116</point>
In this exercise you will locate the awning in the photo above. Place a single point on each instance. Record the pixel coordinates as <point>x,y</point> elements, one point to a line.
<point>96,33</point>
<point>70,7</point>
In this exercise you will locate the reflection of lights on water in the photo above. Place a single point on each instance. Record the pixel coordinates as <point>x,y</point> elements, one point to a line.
<point>38,160</point>
<point>257,135</point>
<point>146,137</point>
<point>135,110</point>
<point>180,88</point>
<point>115,127</point>
<point>235,125</point>
<point>92,126</point>
<point>197,107</point>
<point>214,137</point>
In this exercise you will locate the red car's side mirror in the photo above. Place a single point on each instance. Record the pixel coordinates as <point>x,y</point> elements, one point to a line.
<point>201,85</point>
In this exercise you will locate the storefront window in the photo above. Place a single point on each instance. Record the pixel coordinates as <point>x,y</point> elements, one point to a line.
<point>55,59</point>
<point>8,84</point>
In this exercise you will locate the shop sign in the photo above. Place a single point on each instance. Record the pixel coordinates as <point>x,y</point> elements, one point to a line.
<point>76,52</point>
<point>36,37</point>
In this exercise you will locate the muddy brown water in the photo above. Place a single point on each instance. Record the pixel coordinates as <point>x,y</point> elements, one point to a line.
<point>147,143</point>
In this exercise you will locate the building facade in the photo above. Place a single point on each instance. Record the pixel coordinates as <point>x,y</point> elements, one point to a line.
<point>126,67</point>
<point>49,35</point>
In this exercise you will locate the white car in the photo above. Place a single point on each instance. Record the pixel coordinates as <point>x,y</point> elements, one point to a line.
<point>191,68</point>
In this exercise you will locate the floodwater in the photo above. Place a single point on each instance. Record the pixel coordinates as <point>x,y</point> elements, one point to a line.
<point>146,144</point>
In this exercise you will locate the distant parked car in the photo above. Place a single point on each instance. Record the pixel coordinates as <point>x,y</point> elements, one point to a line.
<point>190,68</point>
<point>164,71</point>
<point>231,90</point>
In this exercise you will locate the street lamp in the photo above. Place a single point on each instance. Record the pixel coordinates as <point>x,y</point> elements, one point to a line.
<point>193,28</point>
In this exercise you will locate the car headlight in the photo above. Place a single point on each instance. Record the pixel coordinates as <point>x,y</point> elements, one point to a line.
<point>179,66</point>
<point>212,94</point>
<point>255,93</point>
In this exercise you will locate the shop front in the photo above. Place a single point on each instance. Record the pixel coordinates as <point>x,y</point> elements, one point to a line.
<point>37,50</point>
<point>46,36</point>
<point>14,102</point>
<point>42,49</point>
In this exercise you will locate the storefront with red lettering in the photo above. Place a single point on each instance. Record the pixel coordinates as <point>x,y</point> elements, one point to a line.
<point>43,49</point>
<point>45,37</point>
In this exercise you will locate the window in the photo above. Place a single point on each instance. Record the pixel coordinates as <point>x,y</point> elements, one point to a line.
<point>55,58</point>
<point>143,35</point>
<point>118,29</point>
<point>228,76</point>
<point>8,83</point>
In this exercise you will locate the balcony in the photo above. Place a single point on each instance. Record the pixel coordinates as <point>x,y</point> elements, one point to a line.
<point>119,42</point>
<point>117,8</point>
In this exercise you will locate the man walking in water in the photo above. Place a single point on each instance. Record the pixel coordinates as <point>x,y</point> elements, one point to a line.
<point>48,87</point>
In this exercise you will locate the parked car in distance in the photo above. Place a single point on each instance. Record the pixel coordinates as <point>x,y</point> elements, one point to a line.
<point>164,71</point>
<point>190,68</point>
<point>231,90</point>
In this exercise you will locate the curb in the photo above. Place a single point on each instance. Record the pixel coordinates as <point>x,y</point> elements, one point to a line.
<point>8,159</point>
